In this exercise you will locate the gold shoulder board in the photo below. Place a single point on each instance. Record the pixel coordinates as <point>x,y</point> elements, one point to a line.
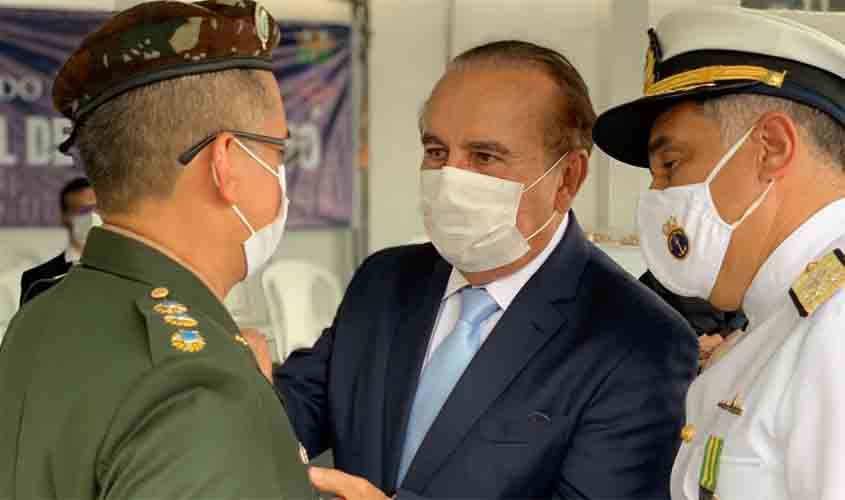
<point>818,283</point>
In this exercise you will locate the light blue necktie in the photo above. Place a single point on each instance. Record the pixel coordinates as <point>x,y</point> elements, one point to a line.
<point>443,370</point>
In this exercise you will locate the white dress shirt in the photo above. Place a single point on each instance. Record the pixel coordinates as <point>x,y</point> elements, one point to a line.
<point>503,291</point>
<point>72,255</point>
<point>788,442</point>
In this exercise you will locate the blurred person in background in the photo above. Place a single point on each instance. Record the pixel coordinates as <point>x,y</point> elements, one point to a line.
<point>77,202</point>
<point>710,324</point>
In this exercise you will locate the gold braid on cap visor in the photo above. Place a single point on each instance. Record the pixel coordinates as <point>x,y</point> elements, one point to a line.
<point>709,75</point>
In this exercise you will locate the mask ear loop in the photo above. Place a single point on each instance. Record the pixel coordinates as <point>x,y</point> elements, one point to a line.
<point>546,173</point>
<point>754,205</point>
<point>256,158</point>
<point>280,176</point>
<point>234,207</point>
<point>725,159</point>
<point>544,226</point>
<point>549,221</point>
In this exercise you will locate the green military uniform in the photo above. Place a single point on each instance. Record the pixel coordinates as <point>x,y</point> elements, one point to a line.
<point>129,379</point>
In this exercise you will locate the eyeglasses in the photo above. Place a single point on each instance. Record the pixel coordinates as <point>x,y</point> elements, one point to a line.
<point>194,150</point>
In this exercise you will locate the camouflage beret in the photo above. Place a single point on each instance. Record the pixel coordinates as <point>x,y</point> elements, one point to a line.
<point>160,40</point>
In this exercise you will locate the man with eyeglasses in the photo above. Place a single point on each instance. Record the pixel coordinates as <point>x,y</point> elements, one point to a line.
<point>129,379</point>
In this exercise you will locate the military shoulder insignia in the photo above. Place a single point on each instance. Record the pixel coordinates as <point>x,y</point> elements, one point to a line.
<point>239,339</point>
<point>188,341</point>
<point>818,283</point>
<point>180,320</point>
<point>170,307</point>
<point>168,322</point>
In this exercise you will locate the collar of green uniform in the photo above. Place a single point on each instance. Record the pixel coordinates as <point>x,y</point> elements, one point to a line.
<point>116,254</point>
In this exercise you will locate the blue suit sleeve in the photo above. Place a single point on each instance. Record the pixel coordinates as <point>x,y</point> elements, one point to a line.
<point>630,434</point>
<point>302,382</point>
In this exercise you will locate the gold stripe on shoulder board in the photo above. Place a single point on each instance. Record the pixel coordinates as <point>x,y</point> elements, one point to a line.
<point>820,280</point>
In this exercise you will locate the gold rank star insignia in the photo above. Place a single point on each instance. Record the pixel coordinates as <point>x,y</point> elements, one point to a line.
<point>181,320</point>
<point>733,406</point>
<point>820,280</point>
<point>170,307</point>
<point>187,341</point>
<point>159,293</point>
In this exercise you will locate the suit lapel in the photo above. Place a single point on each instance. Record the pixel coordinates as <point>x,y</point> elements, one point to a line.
<point>538,313</point>
<point>407,350</point>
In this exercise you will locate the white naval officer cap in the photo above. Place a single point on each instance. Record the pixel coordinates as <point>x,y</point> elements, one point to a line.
<point>700,53</point>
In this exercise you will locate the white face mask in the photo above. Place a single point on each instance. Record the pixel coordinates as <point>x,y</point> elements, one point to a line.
<point>81,224</point>
<point>683,238</point>
<point>262,244</point>
<point>471,217</point>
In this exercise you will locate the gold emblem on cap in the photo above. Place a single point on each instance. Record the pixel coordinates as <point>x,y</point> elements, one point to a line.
<point>688,433</point>
<point>188,341</point>
<point>652,58</point>
<point>160,293</point>
<point>262,25</point>
<point>181,320</point>
<point>733,406</point>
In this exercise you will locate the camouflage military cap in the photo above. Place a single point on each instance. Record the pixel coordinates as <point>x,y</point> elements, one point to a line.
<point>160,40</point>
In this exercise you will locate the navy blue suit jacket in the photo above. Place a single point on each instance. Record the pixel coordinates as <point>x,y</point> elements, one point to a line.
<point>577,393</point>
<point>42,277</point>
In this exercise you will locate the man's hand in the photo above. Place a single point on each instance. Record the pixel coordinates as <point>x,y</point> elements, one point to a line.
<point>343,485</point>
<point>261,350</point>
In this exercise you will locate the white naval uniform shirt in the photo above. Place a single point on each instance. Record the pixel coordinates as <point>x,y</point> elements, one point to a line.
<point>503,291</point>
<point>789,443</point>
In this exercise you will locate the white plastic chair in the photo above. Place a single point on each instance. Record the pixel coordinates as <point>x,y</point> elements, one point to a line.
<point>298,312</point>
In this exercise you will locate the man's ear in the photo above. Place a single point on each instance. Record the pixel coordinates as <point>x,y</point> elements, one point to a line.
<point>574,169</point>
<point>223,174</point>
<point>778,135</point>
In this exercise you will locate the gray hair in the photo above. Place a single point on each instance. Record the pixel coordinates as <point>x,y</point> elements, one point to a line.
<point>129,146</point>
<point>737,113</point>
